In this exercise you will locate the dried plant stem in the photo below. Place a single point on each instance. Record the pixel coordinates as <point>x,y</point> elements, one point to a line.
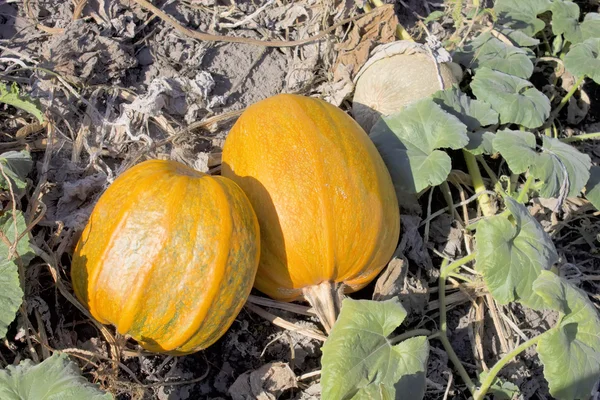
<point>445,188</point>
<point>445,270</point>
<point>275,320</point>
<point>326,300</point>
<point>234,39</point>
<point>295,308</point>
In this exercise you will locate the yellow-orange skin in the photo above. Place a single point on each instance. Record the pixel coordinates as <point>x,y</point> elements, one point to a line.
<point>324,199</point>
<point>168,256</point>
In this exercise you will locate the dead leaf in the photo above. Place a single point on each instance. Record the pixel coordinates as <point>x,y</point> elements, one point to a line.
<point>412,244</point>
<point>391,282</point>
<point>266,383</point>
<point>367,32</point>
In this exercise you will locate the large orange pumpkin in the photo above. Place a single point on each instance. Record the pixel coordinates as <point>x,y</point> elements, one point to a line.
<point>325,202</point>
<point>168,256</point>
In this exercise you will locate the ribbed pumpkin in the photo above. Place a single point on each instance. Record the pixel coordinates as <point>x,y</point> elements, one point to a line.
<point>325,202</point>
<point>168,256</point>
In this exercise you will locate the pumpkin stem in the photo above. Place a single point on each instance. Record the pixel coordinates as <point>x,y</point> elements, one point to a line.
<point>326,299</point>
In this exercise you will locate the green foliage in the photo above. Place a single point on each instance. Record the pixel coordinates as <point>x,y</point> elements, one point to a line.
<point>557,160</point>
<point>565,21</point>
<point>570,351</point>
<point>592,187</point>
<point>359,360</point>
<point>409,141</point>
<point>522,15</point>
<point>56,378</point>
<point>16,251</point>
<point>584,59</point>
<point>559,167</point>
<point>11,96</point>
<point>15,165</point>
<point>487,51</point>
<point>473,113</point>
<point>501,389</point>
<point>511,255</point>
<point>515,99</point>
<point>517,148</point>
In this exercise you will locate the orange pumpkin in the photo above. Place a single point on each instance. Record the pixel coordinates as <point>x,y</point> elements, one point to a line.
<point>168,256</point>
<point>325,202</point>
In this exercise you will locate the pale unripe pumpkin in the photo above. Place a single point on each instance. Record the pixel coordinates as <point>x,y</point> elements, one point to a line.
<point>168,256</point>
<point>325,202</point>
<point>396,75</point>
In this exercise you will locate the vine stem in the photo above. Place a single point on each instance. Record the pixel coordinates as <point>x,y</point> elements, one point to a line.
<point>409,334</point>
<point>446,269</point>
<point>526,186</point>
<point>489,380</point>
<point>565,99</point>
<point>581,137</point>
<point>478,185</point>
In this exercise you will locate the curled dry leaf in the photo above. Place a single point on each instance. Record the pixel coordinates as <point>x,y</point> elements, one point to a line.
<point>396,75</point>
<point>367,32</point>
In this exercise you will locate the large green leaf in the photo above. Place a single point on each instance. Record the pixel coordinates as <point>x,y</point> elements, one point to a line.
<point>487,51</point>
<point>584,59</point>
<point>360,361</point>
<point>481,142</point>
<point>16,166</point>
<point>11,293</point>
<point>515,99</point>
<point>473,113</point>
<point>517,148</point>
<point>548,168</point>
<point>570,351</point>
<point>522,15</point>
<point>409,141</point>
<point>11,96</point>
<point>592,188</point>
<point>56,378</point>
<point>565,20</point>
<point>518,38</point>
<point>511,254</point>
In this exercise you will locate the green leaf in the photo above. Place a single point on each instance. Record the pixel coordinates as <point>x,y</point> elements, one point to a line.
<point>570,351</point>
<point>515,99</point>
<point>11,96</point>
<point>517,148</point>
<point>501,389</point>
<point>522,15</point>
<point>487,51</point>
<point>510,255</point>
<point>408,143</point>
<point>481,142</point>
<point>565,21</point>
<point>434,16</point>
<point>548,169</point>
<point>518,38</point>
<point>592,188</point>
<point>11,294</point>
<point>16,165</point>
<point>584,59</point>
<point>360,362</point>
<point>473,113</point>
<point>56,378</point>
